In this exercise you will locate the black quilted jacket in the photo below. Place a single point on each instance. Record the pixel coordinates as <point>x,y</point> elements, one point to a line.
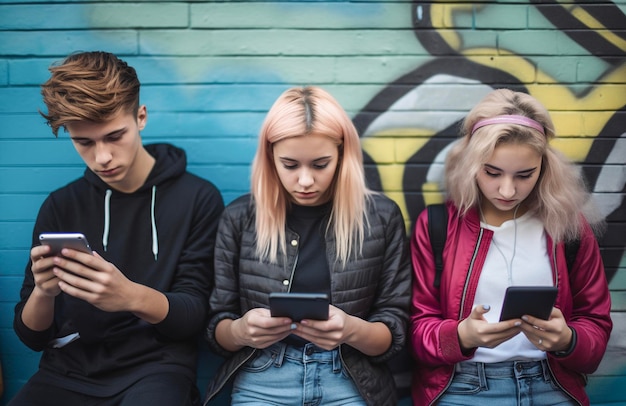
<point>375,287</point>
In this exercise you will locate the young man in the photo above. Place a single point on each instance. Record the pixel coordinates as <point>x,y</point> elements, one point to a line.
<point>119,327</point>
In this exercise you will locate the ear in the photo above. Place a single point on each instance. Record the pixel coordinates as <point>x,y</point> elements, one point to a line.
<point>142,117</point>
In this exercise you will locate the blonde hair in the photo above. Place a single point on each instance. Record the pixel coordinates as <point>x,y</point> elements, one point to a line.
<point>89,86</point>
<point>560,197</point>
<point>300,112</point>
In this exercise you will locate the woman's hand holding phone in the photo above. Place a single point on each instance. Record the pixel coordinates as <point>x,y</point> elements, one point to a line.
<point>548,335</point>
<point>475,331</point>
<point>256,328</point>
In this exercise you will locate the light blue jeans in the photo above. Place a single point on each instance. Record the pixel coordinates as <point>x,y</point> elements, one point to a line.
<point>514,383</point>
<point>285,375</point>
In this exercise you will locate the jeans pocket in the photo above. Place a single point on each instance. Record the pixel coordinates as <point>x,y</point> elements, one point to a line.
<point>464,384</point>
<point>261,361</point>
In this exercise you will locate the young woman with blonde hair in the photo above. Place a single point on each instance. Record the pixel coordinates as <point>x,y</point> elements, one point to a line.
<point>310,225</point>
<point>513,203</point>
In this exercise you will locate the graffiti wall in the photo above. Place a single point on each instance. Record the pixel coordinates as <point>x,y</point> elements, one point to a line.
<point>407,72</point>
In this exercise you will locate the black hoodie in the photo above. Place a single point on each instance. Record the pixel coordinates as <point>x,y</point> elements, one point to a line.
<point>161,236</point>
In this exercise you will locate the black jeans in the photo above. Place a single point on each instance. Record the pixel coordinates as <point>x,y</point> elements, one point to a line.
<point>159,389</point>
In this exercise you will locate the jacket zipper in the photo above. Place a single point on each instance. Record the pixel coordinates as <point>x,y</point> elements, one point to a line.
<point>469,273</point>
<point>230,375</point>
<point>293,272</point>
<point>561,386</point>
<point>467,279</point>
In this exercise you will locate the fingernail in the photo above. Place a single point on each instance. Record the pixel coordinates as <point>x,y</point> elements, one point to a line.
<point>486,307</point>
<point>293,326</point>
<point>518,323</point>
<point>525,318</point>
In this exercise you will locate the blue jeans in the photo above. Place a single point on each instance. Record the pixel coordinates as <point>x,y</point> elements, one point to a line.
<point>514,383</point>
<point>285,375</point>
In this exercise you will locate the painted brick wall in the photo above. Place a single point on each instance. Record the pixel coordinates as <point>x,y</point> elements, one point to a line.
<point>406,72</point>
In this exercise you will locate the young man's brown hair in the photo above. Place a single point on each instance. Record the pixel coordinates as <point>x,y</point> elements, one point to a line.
<point>89,86</point>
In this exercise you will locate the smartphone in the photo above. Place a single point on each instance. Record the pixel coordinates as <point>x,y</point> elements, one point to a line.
<point>298,306</point>
<point>58,241</point>
<point>535,301</point>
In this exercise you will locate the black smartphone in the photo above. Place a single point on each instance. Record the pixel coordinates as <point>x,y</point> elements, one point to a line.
<point>58,241</point>
<point>298,306</point>
<point>535,301</point>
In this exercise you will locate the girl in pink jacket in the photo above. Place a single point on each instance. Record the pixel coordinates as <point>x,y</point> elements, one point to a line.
<point>513,202</point>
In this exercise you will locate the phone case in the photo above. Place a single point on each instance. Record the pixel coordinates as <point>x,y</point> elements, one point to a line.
<point>298,306</point>
<point>58,241</point>
<point>536,301</point>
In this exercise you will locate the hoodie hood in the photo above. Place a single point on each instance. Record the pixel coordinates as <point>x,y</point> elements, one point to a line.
<point>170,163</point>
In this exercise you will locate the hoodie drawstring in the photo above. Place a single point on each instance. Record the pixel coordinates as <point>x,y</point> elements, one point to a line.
<point>155,238</point>
<point>107,218</point>
<point>107,222</point>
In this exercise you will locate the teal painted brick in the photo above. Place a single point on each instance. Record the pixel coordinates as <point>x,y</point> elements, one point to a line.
<point>372,70</point>
<point>55,43</point>
<point>372,15</point>
<point>206,125</point>
<point>138,15</point>
<point>228,179</point>
<point>10,293</point>
<point>563,69</point>
<point>204,151</point>
<point>592,69</point>
<point>20,99</point>
<point>39,152</point>
<point>32,71</point>
<point>501,16</point>
<point>241,97</point>
<point>6,310</point>
<point>290,42</point>
<point>24,126</point>
<point>264,69</point>
<point>37,180</point>
<point>16,235</point>
<point>197,98</point>
<point>472,39</point>
<point>14,261</point>
<point>4,72</point>
<point>93,16</point>
<point>539,42</point>
<point>19,207</point>
<point>10,288</point>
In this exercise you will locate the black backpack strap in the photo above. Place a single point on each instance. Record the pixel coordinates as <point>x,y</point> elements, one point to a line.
<point>438,232</point>
<point>571,250</point>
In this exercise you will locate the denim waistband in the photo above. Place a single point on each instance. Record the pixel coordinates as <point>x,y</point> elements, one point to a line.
<point>305,354</point>
<point>505,369</point>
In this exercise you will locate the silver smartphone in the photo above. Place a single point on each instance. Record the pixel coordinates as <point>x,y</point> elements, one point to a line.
<point>58,241</point>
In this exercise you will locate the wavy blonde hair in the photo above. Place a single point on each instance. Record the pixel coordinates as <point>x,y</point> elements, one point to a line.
<point>89,86</point>
<point>301,112</point>
<point>560,197</point>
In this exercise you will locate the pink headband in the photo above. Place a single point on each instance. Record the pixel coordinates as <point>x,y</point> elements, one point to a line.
<point>510,119</point>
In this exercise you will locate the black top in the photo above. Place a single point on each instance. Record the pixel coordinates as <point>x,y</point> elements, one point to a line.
<point>312,273</point>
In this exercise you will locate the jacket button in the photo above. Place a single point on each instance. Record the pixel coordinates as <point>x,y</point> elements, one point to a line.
<point>294,243</point>
<point>286,282</point>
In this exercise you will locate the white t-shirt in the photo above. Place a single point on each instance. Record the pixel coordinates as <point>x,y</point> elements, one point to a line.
<point>517,256</point>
